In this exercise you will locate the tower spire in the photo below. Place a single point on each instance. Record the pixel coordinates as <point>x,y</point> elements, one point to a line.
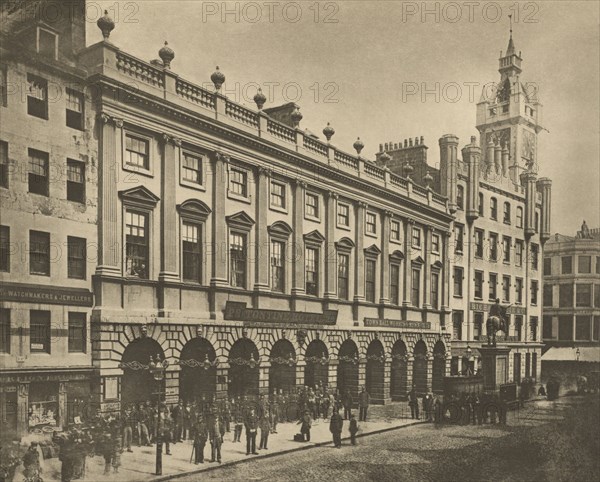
<point>511,46</point>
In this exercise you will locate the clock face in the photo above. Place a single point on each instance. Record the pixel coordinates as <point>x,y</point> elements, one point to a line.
<point>528,149</point>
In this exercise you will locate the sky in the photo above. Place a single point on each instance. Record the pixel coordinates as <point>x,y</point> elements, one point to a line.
<point>389,70</point>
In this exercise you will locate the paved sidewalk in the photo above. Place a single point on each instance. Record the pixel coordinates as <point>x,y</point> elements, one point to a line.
<point>140,464</point>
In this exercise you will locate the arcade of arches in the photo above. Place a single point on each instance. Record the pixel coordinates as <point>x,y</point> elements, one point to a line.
<point>386,366</point>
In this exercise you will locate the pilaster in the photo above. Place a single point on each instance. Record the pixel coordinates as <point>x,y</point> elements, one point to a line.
<point>385,258</point>
<point>262,235</point>
<point>168,229</point>
<point>407,278</point>
<point>359,253</point>
<point>219,275</point>
<point>427,268</point>
<point>298,285</point>
<point>330,253</point>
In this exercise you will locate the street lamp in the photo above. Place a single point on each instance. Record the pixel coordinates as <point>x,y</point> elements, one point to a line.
<point>469,356</point>
<point>157,370</point>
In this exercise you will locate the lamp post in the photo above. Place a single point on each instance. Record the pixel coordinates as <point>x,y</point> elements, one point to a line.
<point>469,356</point>
<point>577,353</point>
<point>157,369</point>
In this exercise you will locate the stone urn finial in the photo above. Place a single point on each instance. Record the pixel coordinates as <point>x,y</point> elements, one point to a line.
<point>428,179</point>
<point>358,145</point>
<point>218,78</point>
<point>328,131</point>
<point>384,158</point>
<point>106,25</point>
<point>296,116</point>
<point>260,99</point>
<point>408,169</point>
<point>166,54</point>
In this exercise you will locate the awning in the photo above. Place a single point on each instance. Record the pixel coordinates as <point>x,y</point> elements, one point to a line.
<point>590,354</point>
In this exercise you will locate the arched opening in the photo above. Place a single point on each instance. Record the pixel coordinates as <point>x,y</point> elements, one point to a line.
<point>439,367</point>
<point>347,372</point>
<point>420,367</point>
<point>198,375</point>
<point>243,369</point>
<point>399,374</point>
<point>138,384</point>
<point>375,374</point>
<point>317,364</point>
<point>282,373</point>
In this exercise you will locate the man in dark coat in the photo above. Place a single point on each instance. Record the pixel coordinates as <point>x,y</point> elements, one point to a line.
<point>413,402</point>
<point>347,402</point>
<point>216,431</point>
<point>363,404</point>
<point>238,419</point>
<point>178,417</point>
<point>353,429</point>
<point>335,427</point>
<point>200,437</point>
<point>251,424</point>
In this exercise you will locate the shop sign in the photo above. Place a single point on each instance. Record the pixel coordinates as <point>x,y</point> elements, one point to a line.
<point>387,323</point>
<point>510,310</point>
<point>238,312</point>
<point>56,295</point>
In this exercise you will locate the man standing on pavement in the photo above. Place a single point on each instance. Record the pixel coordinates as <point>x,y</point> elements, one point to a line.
<point>127,421</point>
<point>265,429</point>
<point>363,404</point>
<point>335,427</point>
<point>274,413</point>
<point>353,430</point>
<point>413,402</point>
<point>251,424</point>
<point>347,402</point>
<point>200,437</point>
<point>216,432</point>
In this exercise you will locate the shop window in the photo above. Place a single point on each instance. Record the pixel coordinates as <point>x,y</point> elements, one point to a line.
<point>43,405</point>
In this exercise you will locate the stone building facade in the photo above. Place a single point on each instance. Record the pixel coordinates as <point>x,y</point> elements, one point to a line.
<point>48,194</point>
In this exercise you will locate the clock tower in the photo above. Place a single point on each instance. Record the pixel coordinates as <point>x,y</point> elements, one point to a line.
<point>509,120</point>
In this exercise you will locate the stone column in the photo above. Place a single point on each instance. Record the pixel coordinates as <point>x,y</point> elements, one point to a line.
<point>387,375</point>
<point>407,274</point>
<point>62,404</point>
<point>219,275</point>
<point>385,258</point>
<point>359,252</point>
<point>262,236</point>
<point>109,154</point>
<point>330,252</point>
<point>169,240</point>
<point>409,372</point>
<point>298,285</point>
<point>429,371</point>
<point>22,409</point>
<point>427,268</point>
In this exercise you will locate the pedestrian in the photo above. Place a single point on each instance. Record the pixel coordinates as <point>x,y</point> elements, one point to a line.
<point>238,421</point>
<point>476,409</point>
<point>187,418</point>
<point>117,451</point>
<point>542,391</point>
<point>353,429</point>
<point>226,414</point>
<point>325,402</point>
<point>216,433</point>
<point>413,403</point>
<point>31,464</point>
<point>428,402</point>
<point>335,427</point>
<point>363,404</point>
<point>106,450</point>
<point>166,431</point>
<point>251,424</point>
<point>306,422</point>
<point>142,420</point>
<point>127,422</point>
<point>200,438</point>
<point>265,429</point>
<point>438,411</point>
<point>347,402</point>
<point>177,416</point>
<point>274,413</point>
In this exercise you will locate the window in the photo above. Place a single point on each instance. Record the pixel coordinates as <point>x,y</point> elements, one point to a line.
<point>395,284</point>
<point>477,325</point>
<point>47,43</point>
<point>39,331</point>
<point>38,172</point>
<point>537,222</point>
<point>371,223</point>
<point>458,281</point>
<point>4,330</point>
<point>75,181</point>
<point>277,266</point>
<point>547,328</point>
<point>238,261</point>
<point>597,296</point>
<point>493,288</point>
<point>460,197</point>
<point>416,287</point>
<point>37,96</point>
<point>548,301</point>
<point>596,329</point>
<point>481,206</point>
<point>519,217</point>
<point>277,195</point>
<point>519,252</point>
<point>584,264</point>
<point>137,152</point>
<point>312,205</point>
<point>517,367</point>
<point>519,290</point>
<point>136,244</point>
<point>506,213</point>
<point>457,322</point>
<point>566,265</point>
<point>39,253</point>
<point>3,86</point>
<point>479,285</point>
<point>435,243</point>
<point>565,296</point>
<point>458,238</point>
<point>535,251</point>
<point>416,237</point>
<point>547,266</point>
<point>343,270</point>
<point>518,326</point>
<point>494,208</point>
<point>4,164</point>
<point>370,265</point>
<point>191,248</point>
<point>395,231</point>
<point>527,365</point>
<point>534,292</point>
<point>343,215</point>
<point>312,271</point>
<point>191,169</point>
<point>76,254</point>
<point>506,288</point>
<point>493,247</point>
<point>5,249</point>
<point>565,327</point>
<point>74,109</point>
<point>435,278</point>
<point>506,249</point>
<point>77,332</point>
<point>582,327</point>
<point>583,295</point>
<point>479,243</point>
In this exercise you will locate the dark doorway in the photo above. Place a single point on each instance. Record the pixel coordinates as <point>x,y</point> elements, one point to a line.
<point>399,372</point>
<point>347,372</point>
<point>282,374</point>
<point>420,367</point>
<point>243,369</point>
<point>198,375</point>
<point>375,374</point>
<point>316,370</point>
<point>138,384</point>
<point>439,368</point>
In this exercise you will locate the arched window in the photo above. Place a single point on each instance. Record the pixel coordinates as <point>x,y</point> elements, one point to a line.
<point>506,213</point>
<point>460,197</point>
<point>519,217</point>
